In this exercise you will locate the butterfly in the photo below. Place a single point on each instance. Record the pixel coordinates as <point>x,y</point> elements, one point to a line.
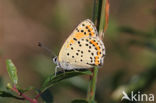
<point>83,49</point>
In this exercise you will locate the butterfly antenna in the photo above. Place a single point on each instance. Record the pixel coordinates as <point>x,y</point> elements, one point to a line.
<point>47,49</point>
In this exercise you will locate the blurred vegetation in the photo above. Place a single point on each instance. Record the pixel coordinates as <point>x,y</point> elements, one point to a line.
<point>130,43</point>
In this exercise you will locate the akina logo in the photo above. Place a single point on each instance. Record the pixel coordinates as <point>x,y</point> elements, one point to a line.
<point>137,97</point>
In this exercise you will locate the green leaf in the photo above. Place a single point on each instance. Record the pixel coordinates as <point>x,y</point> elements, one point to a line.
<point>79,101</point>
<point>47,96</point>
<point>52,79</point>
<point>7,94</point>
<point>12,71</point>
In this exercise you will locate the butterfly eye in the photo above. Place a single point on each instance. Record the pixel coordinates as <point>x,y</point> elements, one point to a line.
<point>55,60</point>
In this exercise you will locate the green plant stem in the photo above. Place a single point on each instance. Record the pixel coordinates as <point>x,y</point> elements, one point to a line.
<point>102,19</point>
<point>99,20</point>
<point>23,95</point>
<point>93,85</point>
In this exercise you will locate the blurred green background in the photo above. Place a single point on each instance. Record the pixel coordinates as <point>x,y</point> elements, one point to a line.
<point>130,43</point>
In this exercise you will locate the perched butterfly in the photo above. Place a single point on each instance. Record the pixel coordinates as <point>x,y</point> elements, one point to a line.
<point>83,49</point>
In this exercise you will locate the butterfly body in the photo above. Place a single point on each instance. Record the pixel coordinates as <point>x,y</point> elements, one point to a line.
<point>82,49</point>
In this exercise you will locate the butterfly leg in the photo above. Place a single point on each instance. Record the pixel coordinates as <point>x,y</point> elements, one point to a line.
<point>56,69</point>
<point>63,71</point>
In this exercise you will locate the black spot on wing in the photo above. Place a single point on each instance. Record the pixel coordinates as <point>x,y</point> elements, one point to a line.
<point>90,34</point>
<point>75,39</point>
<point>77,29</point>
<point>78,42</point>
